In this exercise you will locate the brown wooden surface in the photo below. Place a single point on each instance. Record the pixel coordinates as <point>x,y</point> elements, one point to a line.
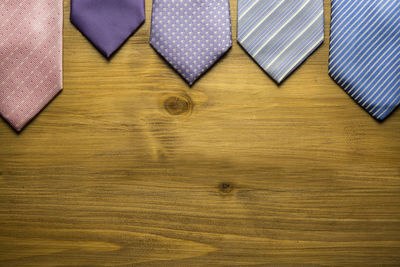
<point>129,166</point>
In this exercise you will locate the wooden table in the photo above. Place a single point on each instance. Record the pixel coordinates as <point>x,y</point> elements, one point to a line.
<point>130,166</point>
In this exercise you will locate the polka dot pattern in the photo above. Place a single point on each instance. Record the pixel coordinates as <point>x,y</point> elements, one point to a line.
<point>30,58</point>
<point>191,34</point>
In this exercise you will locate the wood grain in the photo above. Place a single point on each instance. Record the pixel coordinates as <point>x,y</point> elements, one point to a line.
<point>130,166</point>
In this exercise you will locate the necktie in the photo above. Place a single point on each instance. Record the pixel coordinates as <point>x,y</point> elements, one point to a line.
<point>280,34</point>
<point>107,23</point>
<point>191,35</point>
<point>30,57</point>
<point>365,53</point>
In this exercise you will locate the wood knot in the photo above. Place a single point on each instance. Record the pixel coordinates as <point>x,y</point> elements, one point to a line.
<point>226,188</point>
<point>178,105</point>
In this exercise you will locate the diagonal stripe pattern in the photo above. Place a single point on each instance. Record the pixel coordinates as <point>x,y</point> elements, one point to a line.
<point>365,53</point>
<point>280,34</point>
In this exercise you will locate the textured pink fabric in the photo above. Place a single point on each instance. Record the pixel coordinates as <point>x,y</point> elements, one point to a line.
<point>30,57</point>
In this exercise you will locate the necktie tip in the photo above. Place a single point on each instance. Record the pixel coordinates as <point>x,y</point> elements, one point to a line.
<point>191,37</point>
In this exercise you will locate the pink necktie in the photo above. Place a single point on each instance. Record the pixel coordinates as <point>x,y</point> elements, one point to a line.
<point>30,57</point>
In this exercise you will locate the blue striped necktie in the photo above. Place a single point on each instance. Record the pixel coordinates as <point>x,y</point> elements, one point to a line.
<point>280,34</point>
<point>365,53</point>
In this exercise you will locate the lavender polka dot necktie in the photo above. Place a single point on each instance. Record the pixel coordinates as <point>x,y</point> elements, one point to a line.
<point>191,35</point>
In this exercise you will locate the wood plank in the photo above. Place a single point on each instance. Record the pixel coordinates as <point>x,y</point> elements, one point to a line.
<point>130,166</point>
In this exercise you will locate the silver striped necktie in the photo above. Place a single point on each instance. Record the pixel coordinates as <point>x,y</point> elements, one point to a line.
<point>365,53</point>
<point>280,34</point>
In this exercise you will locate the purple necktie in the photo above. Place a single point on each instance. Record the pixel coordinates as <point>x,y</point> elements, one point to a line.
<point>107,23</point>
<point>191,34</point>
